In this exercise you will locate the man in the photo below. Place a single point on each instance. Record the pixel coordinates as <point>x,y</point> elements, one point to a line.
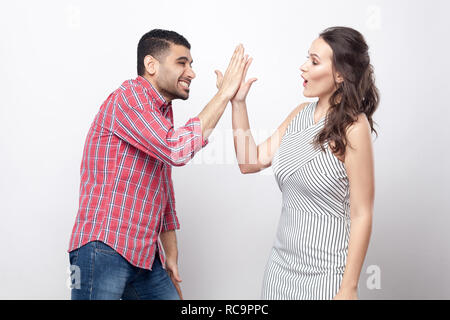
<point>126,216</point>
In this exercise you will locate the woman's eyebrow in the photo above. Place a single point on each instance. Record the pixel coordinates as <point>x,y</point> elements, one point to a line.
<point>313,54</point>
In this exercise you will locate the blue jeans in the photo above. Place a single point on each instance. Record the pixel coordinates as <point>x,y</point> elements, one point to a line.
<point>100,273</point>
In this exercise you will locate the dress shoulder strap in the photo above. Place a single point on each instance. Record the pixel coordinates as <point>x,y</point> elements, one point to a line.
<point>301,120</point>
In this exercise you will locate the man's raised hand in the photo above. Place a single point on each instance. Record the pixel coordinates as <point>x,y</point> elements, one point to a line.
<point>229,83</point>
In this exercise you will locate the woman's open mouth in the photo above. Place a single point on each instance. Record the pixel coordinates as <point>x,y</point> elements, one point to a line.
<point>305,82</point>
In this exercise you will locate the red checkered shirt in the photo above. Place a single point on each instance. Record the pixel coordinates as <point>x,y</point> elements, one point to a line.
<point>126,191</point>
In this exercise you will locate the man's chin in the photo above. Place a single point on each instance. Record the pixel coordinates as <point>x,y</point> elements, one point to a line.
<point>183,95</point>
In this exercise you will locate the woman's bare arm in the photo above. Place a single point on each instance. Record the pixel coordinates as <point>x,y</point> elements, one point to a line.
<point>359,164</point>
<point>253,158</point>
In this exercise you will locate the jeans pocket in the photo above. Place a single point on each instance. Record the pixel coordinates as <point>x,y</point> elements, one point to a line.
<point>73,256</point>
<point>104,248</point>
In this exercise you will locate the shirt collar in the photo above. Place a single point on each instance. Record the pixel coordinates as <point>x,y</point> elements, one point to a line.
<point>156,97</point>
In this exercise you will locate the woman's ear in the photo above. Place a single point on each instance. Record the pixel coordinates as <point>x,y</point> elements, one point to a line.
<point>339,78</point>
<point>151,65</point>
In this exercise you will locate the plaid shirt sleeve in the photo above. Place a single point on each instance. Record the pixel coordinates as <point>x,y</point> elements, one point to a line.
<point>139,123</point>
<point>170,219</point>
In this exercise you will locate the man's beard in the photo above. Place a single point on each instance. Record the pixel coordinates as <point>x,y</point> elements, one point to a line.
<point>172,92</point>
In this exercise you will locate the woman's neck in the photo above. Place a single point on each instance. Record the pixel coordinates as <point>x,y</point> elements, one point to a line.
<point>323,105</point>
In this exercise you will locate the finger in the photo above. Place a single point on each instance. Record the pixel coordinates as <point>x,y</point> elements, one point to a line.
<point>238,58</point>
<point>219,74</point>
<point>247,65</point>
<point>243,62</point>
<point>233,58</point>
<point>250,82</point>
<point>246,58</point>
<point>179,292</point>
<point>236,52</point>
<point>241,54</point>
<point>177,287</point>
<point>176,275</point>
<point>175,283</point>
<point>219,78</point>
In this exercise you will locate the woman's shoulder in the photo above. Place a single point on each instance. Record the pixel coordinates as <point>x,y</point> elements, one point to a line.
<point>358,134</point>
<point>290,118</point>
<point>296,111</point>
<point>361,125</point>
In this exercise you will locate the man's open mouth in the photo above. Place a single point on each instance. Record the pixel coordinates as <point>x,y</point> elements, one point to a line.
<point>184,83</point>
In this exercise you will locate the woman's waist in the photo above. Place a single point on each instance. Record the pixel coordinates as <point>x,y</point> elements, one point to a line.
<point>319,212</point>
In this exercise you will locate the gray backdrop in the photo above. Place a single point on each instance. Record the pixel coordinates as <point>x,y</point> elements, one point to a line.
<point>59,60</point>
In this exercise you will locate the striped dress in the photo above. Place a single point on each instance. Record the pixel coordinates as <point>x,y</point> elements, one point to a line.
<point>308,257</point>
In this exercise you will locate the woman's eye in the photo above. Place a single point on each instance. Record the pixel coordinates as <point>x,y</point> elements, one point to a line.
<point>313,61</point>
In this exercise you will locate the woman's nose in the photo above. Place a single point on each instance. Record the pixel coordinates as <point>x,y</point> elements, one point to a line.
<point>303,67</point>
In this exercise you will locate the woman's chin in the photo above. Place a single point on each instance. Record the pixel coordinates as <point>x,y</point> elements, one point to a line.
<point>306,94</point>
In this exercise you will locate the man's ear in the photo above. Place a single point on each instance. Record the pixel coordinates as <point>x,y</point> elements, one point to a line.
<point>151,64</point>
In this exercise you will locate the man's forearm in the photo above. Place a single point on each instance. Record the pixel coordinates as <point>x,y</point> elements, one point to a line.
<point>211,114</point>
<point>169,242</point>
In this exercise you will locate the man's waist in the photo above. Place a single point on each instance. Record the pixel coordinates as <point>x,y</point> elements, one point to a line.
<point>121,220</point>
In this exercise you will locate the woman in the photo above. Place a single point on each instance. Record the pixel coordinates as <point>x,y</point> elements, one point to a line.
<point>323,162</point>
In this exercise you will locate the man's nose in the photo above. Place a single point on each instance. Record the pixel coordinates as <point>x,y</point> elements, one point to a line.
<point>190,73</point>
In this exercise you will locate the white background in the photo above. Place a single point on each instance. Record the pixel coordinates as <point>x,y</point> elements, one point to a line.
<point>59,60</point>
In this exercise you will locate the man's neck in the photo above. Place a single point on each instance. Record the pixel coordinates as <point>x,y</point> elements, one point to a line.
<point>155,86</point>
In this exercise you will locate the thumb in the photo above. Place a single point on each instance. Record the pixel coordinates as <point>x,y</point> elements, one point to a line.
<point>175,274</point>
<point>251,81</point>
<point>219,78</point>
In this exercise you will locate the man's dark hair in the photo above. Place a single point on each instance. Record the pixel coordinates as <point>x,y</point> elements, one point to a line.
<point>155,43</point>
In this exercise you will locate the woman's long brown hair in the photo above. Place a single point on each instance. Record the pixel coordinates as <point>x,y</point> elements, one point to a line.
<point>356,94</point>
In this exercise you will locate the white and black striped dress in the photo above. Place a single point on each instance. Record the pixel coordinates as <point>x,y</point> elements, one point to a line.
<point>309,254</point>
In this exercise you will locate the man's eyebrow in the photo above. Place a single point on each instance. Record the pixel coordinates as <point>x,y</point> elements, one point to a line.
<point>185,59</point>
